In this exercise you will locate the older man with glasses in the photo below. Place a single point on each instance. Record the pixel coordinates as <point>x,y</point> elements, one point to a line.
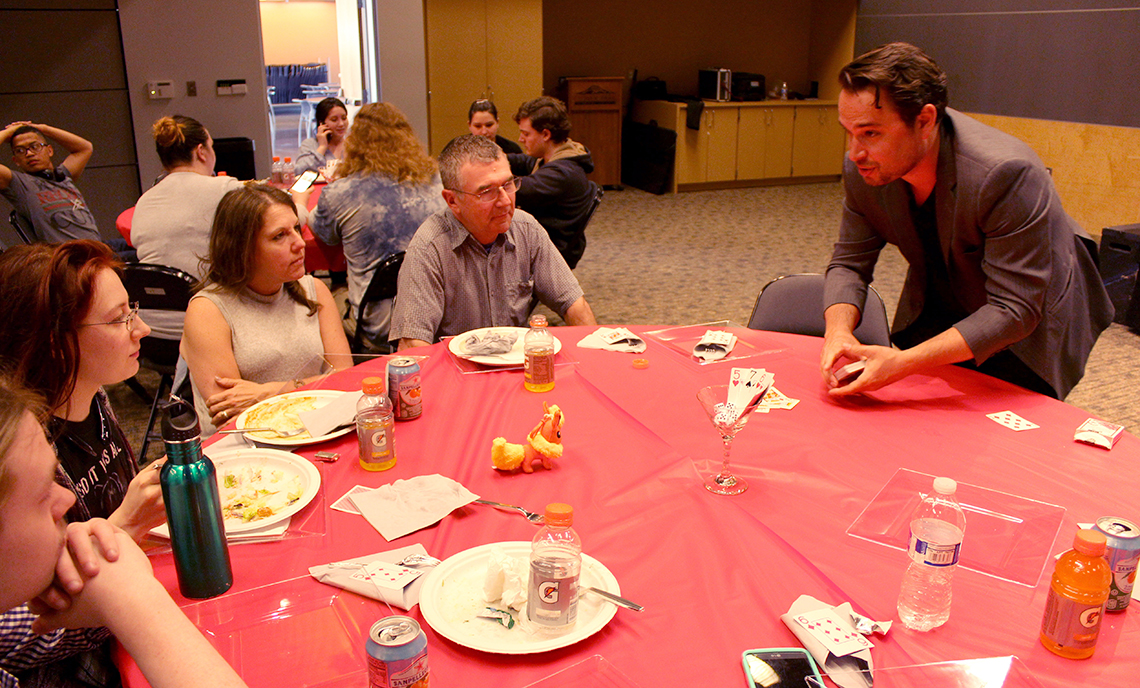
<point>45,196</point>
<point>478,262</point>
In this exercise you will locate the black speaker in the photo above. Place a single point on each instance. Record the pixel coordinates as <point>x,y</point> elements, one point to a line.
<point>1119,266</point>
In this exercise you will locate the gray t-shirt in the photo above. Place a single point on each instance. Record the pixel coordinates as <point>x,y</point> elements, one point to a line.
<point>449,283</point>
<point>273,338</point>
<point>52,206</point>
<point>172,220</point>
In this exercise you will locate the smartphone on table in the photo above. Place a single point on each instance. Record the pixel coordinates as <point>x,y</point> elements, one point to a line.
<point>304,181</point>
<point>782,667</point>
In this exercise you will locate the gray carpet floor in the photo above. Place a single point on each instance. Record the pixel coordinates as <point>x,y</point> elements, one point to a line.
<point>701,256</point>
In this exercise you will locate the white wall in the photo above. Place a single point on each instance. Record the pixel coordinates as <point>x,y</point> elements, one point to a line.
<point>202,41</point>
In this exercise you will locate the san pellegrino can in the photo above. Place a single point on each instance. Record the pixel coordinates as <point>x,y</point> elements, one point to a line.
<point>397,654</point>
<point>404,388</point>
<point>1123,552</point>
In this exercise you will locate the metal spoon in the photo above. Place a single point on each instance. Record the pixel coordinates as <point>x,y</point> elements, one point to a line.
<point>537,519</point>
<point>287,433</point>
<point>617,599</point>
<point>415,560</point>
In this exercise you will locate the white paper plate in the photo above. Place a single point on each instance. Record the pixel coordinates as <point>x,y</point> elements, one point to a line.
<point>274,459</point>
<point>452,597</point>
<point>326,394</point>
<point>514,357</point>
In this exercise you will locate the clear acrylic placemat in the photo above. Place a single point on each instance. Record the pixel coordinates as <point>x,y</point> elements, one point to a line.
<point>987,672</point>
<point>592,672</point>
<point>1007,536</point>
<point>681,341</point>
<point>309,632</point>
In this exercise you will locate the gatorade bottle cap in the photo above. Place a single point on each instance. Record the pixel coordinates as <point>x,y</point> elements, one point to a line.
<point>1090,542</point>
<point>559,514</point>
<point>373,385</point>
<point>945,486</point>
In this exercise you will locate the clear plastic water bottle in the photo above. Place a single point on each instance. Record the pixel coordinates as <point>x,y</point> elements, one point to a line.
<point>288,172</point>
<point>936,530</point>
<point>555,564</point>
<point>276,170</point>
<point>538,350</point>
<point>376,427</point>
<point>193,508</point>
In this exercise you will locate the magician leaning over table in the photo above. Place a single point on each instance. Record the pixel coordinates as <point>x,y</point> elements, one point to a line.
<point>1000,278</point>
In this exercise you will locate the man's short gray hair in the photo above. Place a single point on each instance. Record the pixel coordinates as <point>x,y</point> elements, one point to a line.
<point>468,148</point>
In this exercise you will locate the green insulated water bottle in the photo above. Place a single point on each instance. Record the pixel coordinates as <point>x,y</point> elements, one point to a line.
<point>193,510</point>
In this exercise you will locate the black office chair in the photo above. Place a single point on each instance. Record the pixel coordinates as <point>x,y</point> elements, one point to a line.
<point>794,303</point>
<point>157,288</point>
<point>381,286</point>
<point>25,233</point>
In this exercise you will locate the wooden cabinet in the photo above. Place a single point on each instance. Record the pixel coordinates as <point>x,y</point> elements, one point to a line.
<point>739,144</point>
<point>764,143</point>
<point>819,142</point>
<point>595,107</point>
<point>480,49</point>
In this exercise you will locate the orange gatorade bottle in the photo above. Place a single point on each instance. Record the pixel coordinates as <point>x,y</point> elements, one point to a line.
<point>1077,594</point>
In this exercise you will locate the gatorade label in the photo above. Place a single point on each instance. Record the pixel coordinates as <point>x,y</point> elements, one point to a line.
<point>1069,623</point>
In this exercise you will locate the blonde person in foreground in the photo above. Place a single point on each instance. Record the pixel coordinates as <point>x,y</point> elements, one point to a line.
<point>85,574</point>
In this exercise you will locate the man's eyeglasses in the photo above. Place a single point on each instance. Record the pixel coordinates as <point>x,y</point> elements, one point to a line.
<point>128,319</point>
<point>30,148</point>
<point>490,195</point>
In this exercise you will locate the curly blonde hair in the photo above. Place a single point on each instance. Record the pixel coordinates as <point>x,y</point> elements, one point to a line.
<point>381,141</point>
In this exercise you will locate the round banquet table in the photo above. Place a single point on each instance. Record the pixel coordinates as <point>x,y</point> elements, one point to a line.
<point>714,573</point>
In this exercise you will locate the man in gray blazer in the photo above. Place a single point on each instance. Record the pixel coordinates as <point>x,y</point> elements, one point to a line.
<point>1000,277</point>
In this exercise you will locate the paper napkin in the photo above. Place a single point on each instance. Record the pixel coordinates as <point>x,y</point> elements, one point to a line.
<point>613,339</point>
<point>339,411</point>
<point>714,345</point>
<point>828,634</point>
<point>377,576</point>
<point>406,506</point>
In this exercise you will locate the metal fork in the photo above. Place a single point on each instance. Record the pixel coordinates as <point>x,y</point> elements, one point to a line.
<point>537,519</point>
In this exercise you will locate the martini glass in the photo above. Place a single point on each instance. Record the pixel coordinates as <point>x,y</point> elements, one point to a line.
<point>713,399</point>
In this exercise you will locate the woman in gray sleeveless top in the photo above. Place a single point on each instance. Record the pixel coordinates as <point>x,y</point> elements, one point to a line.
<point>260,325</point>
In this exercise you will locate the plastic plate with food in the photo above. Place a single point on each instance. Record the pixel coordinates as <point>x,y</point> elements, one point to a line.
<point>469,345</point>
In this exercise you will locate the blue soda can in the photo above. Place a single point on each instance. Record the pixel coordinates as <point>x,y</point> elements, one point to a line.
<point>1122,554</point>
<point>397,654</point>
<point>404,388</point>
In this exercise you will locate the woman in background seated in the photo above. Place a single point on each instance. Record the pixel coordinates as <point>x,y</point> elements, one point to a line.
<point>483,120</point>
<point>172,220</point>
<point>68,331</point>
<point>79,576</point>
<point>388,186</point>
<point>328,145</point>
<point>260,324</point>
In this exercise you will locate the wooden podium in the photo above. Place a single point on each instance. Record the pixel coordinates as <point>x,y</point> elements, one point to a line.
<point>595,107</point>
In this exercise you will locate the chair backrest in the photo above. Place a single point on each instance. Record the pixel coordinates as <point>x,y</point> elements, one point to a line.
<point>598,193</point>
<point>381,286</point>
<point>158,288</point>
<point>17,224</point>
<point>794,303</point>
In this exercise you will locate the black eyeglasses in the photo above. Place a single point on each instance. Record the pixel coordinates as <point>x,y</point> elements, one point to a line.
<point>491,194</point>
<point>30,148</point>
<point>128,319</point>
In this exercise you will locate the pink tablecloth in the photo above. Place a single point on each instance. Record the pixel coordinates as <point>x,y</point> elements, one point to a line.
<point>714,573</point>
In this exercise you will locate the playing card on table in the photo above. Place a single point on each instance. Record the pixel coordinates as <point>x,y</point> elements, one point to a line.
<point>836,635</point>
<point>1011,420</point>
<point>714,345</point>
<point>387,575</point>
<point>346,504</point>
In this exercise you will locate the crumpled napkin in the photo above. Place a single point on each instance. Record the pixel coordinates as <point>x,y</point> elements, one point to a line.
<point>850,671</point>
<point>613,339</point>
<point>348,575</point>
<point>492,343</point>
<point>714,345</point>
<point>406,506</point>
<point>337,412</point>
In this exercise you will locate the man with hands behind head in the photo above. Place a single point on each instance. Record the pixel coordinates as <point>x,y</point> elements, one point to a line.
<point>44,195</point>
<point>1000,278</point>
